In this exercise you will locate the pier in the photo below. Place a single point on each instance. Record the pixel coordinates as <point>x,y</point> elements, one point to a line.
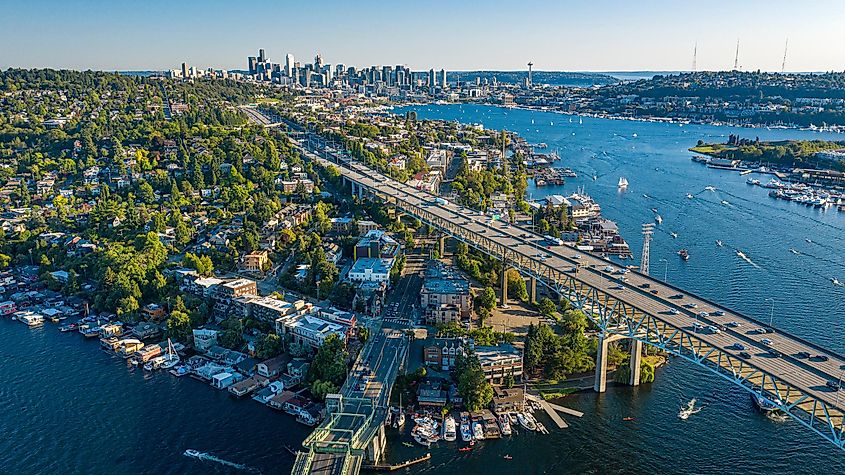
<point>552,411</point>
<point>385,467</point>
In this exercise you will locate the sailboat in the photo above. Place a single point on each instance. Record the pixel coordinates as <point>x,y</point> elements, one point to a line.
<point>171,358</point>
<point>623,182</point>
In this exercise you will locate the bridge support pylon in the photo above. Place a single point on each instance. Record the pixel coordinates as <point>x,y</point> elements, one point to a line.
<point>636,361</point>
<point>504,299</point>
<point>441,242</point>
<point>375,449</point>
<point>605,339</point>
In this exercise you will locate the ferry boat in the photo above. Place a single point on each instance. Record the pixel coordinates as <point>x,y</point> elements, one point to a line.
<point>449,432</point>
<point>684,254</point>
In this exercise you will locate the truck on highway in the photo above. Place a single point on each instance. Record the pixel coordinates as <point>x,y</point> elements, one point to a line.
<point>440,201</point>
<point>553,240</point>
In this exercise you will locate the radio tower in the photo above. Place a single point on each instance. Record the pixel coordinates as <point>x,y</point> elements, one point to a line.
<point>694,56</point>
<point>783,65</point>
<point>736,58</point>
<point>648,231</point>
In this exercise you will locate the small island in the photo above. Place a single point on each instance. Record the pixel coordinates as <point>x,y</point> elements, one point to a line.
<point>818,154</point>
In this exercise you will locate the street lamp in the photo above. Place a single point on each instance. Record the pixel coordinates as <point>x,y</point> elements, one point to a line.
<point>772,312</point>
<point>665,269</point>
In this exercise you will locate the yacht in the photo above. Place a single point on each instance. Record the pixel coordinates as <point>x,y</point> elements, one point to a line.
<point>193,453</point>
<point>171,358</point>
<point>623,182</point>
<point>752,181</point>
<point>659,219</point>
<point>794,251</point>
<point>477,430</point>
<point>525,422</point>
<point>684,254</point>
<point>449,433</point>
<point>689,410</point>
<point>765,404</point>
<point>154,363</point>
<point>466,432</point>
<point>836,282</point>
<point>710,188</point>
<point>421,439</point>
<point>504,424</point>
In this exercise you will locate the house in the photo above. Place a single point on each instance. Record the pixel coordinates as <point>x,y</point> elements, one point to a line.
<point>310,330</point>
<point>442,352</point>
<point>279,400</point>
<point>341,225</point>
<point>498,362</point>
<point>272,367</point>
<point>244,387</point>
<point>146,330</point>
<point>153,311</point>
<point>61,276</point>
<point>225,379</point>
<point>507,399</point>
<point>204,339</point>
<point>256,261</point>
<point>370,269</point>
<point>266,394</point>
<point>431,393</point>
<point>298,369</point>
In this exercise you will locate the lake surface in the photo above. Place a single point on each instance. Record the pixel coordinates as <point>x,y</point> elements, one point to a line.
<point>71,408</point>
<point>728,436</point>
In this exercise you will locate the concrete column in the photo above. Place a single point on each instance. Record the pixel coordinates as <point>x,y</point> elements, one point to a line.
<point>504,299</point>
<point>636,360</point>
<point>601,364</point>
<point>360,192</point>
<point>532,289</point>
<point>442,243</point>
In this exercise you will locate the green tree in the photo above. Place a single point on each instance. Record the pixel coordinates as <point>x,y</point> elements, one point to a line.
<point>178,326</point>
<point>330,362</point>
<point>473,387</point>
<point>546,307</point>
<point>269,346</point>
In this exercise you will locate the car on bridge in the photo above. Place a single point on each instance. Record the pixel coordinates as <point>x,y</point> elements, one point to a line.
<point>673,311</point>
<point>719,313</point>
<point>691,305</point>
<point>645,286</point>
<point>573,269</point>
<point>767,342</point>
<point>676,296</point>
<point>618,287</point>
<point>834,385</point>
<point>821,358</point>
<point>802,354</point>
<point>745,355</point>
<point>576,256</point>
<point>733,324</point>
<point>703,314</point>
<point>713,329</point>
<point>775,353</point>
<point>739,346</point>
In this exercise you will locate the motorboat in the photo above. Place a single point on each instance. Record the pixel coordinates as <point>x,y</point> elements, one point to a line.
<point>477,431</point>
<point>465,449</point>
<point>466,431</point>
<point>689,196</point>
<point>794,251</point>
<point>449,432</point>
<point>421,439</point>
<point>659,219</point>
<point>154,363</point>
<point>684,254</point>
<point>623,183</point>
<point>504,425</point>
<point>627,419</point>
<point>726,203</point>
<point>836,282</point>
<point>689,410</point>
<point>526,422</point>
<point>674,235</point>
<point>719,243</point>
<point>710,188</point>
<point>192,453</point>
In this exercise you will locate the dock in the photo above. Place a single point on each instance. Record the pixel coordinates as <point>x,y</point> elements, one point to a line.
<point>385,467</point>
<point>553,409</point>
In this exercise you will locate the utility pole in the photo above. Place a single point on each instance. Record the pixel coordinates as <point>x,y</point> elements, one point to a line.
<point>648,231</point>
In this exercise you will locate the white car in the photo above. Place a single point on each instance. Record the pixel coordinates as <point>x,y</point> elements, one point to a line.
<point>673,311</point>
<point>766,342</point>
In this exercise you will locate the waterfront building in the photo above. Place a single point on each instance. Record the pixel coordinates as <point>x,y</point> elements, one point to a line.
<point>497,362</point>
<point>507,400</point>
<point>204,338</point>
<point>309,330</point>
<point>441,353</point>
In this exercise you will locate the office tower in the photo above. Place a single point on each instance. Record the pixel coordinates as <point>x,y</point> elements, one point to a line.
<point>387,75</point>
<point>185,72</point>
<point>339,70</point>
<point>443,78</point>
<point>261,56</point>
<point>252,60</point>
<point>431,78</point>
<point>289,65</point>
<point>318,62</point>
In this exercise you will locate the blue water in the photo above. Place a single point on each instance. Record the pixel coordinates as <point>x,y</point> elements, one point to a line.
<point>68,407</point>
<point>728,436</point>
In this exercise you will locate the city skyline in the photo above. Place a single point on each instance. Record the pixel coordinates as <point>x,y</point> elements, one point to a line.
<point>569,37</point>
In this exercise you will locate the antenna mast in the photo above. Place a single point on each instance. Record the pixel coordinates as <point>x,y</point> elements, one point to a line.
<point>783,65</point>
<point>736,58</point>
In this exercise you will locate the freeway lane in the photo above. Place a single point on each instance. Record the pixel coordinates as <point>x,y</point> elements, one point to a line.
<point>809,376</point>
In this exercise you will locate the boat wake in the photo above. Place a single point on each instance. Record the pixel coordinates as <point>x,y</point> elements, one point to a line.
<point>211,458</point>
<point>747,259</point>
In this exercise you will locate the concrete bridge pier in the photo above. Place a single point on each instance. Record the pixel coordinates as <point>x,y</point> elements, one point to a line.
<point>375,449</point>
<point>532,290</point>
<point>601,360</point>
<point>504,299</point>
<point>636,360</point>
<point>441,243</point>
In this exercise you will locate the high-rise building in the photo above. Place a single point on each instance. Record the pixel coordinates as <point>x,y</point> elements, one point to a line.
<point>185,72</point>
<point>261,56</point>
<point>289,65</point>
<point>431,78</point>
<point>318,62</point>
<point>443,78</point>
<point>253,66</point>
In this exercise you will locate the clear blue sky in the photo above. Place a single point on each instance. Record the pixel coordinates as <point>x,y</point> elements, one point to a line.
<point>596,35</point>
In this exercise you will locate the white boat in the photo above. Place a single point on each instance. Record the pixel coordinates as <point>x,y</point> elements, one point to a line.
<point>525,422</point>
<point>421,439</point>
<point>765,404</point>
<point>794,251</point>
<point>689,196</point>
<point>30,319</point>
<point>689,410</point>
<point>477,431</point>
<point>504,425</point>
<point>719,243</point>
<point>659,219</point>
<point>710,188</point>
<point>171,358</point>
<point>193,453</point>
<point>836,282</point>
<point>449,432</point>
<point>154,363</point>
<point>623,182</point>
<point>674,234</point>
<point>725,202</point>
<point>466,432</point>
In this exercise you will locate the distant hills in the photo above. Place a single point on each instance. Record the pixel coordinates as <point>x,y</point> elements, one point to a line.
<point>554,78</point>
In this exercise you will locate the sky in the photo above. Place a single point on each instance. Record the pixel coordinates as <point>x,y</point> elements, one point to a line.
<point>563,35</point>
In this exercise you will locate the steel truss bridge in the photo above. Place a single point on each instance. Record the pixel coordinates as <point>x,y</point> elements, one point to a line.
<point>631,305</point>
